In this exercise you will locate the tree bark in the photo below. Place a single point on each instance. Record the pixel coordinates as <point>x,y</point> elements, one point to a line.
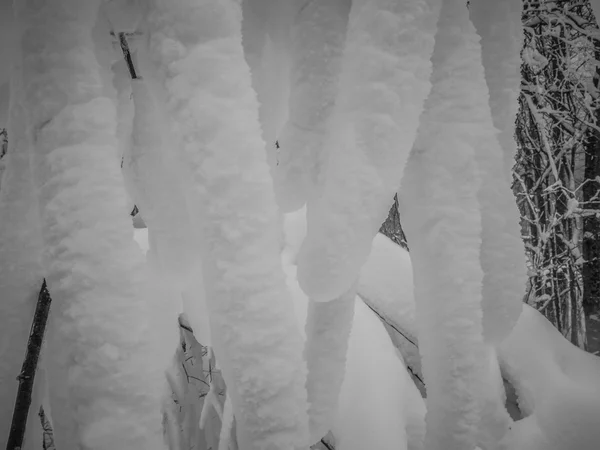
<point>27,376</point>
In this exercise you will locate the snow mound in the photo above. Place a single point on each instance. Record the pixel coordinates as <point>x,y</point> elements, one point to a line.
<point>558,387</point>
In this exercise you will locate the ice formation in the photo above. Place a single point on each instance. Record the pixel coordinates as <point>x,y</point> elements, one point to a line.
<point>502,250</point>
<point>199,49</point>
<point>383,83</point>
<point>106,370</point>
<point>318,36</point>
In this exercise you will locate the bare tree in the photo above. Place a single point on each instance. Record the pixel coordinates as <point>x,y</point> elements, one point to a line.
<point>556,128</point>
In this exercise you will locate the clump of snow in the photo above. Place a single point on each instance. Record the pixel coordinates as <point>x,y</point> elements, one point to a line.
<point>557,385</point>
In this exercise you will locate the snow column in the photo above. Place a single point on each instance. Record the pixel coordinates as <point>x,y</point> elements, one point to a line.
<point>318,37</point>
<point>328,326</point>
<point>266,28</point>
<point>20,256</point>
<point>502,249</point>
<point>254,331</point>
<point>108,336</point>
<point>384,81</point>
<point>441,218</point>
<point>161,185</point>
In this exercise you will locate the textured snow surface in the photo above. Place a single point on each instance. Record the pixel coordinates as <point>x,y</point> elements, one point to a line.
<point>327,331</point>
<point>199,48</point>
<point>20,258</point>
<point>383,83</point>
<point>374,373</point>
<point>106,373</point>
<point>557,385</point>
<point>318,36</point>
<point>266,28</point>
<point>441,218</point>
<point>386,283</point>
<point>502,251</point>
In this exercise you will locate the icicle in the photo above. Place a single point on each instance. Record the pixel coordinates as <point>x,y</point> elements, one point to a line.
<point>327,330</point>
<point>442,220</point>
<point>107,367</point>
<point>502,251</point>
<point>198,45</point>
<point>20,249</point>
<point>318,37</point>
<point>384,81</point>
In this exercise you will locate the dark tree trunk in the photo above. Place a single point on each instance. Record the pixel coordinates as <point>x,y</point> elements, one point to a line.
<point>27,375</point>
<point>392,227</point>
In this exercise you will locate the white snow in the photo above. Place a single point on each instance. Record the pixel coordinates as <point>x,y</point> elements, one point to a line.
<point>442,222</point>
<point>383,83</point>
<point>105,309</point>
<point>557,385</point>
<point>318,36</point>
<point>20,261</point>
<point>199,49</point>
<point>536,358</point>
<point>502,250</point>
<point>327,331</point>
<point>374,371</point>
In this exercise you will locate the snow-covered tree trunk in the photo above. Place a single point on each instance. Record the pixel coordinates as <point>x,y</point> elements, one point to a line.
<point>318,37</point>
<point>442,220</point>
<point>106,374</point>
<point>20,249</point>
<point>384,81</point>
<point>328,327</point>
<point>254,331</point>
<point>502,249</point>
<point>266,37</point>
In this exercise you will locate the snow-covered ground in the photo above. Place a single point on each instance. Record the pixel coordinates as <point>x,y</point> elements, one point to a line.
<point>558,385</point>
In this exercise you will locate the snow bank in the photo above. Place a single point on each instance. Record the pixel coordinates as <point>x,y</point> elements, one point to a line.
<point>379,404</point>
<point>557,385</point>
